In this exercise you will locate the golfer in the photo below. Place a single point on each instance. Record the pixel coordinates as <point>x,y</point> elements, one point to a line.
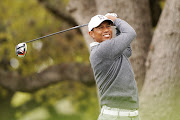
<point>117,88</point>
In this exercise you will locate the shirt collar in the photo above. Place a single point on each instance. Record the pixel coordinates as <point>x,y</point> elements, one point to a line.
<point>94,44</point>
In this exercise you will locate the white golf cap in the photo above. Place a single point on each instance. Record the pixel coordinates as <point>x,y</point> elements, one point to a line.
<point>96,21</point>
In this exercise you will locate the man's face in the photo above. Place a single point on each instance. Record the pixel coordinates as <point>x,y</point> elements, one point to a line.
<point>102,32</point>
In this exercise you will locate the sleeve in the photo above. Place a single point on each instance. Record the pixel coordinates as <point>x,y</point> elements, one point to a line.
<point>121,43</point>
<point>128,51</point>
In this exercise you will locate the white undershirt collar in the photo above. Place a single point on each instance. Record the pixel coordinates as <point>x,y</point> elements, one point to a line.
<point>94,44</point>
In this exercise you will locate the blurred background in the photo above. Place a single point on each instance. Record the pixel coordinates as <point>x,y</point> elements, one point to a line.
<point>21,21</point>
<point>54,81</point>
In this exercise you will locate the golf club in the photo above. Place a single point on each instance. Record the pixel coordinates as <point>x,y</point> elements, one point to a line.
<point>21,48</point>
<point>57,33</point>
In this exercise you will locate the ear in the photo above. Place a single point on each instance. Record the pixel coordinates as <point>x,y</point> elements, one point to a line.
<point>91,33</point>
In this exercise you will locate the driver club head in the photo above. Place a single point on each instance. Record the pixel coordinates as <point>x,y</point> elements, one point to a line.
<point>21,49</point>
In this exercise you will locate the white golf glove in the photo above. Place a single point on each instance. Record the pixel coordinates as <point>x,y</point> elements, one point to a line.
<point>112,14</point>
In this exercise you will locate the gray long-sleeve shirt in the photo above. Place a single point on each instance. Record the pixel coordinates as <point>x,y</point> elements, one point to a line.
<point>112,70</point>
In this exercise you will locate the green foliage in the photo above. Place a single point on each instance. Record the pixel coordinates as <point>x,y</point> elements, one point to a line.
<point>3,93</point>
<point>26,20</point>
<point>63,101</point>
<point>162,3</point>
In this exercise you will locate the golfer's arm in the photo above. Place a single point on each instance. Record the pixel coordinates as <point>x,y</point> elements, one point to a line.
<point>122,42</point>
<point>128,50</point>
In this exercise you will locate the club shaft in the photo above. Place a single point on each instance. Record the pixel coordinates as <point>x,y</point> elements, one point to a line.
<point>57,33</point>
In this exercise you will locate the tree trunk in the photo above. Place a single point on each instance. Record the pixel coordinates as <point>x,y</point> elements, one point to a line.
<point>82,11</point>
<point>160,95</point>
<point>155,11</point>
<point>138,16</point>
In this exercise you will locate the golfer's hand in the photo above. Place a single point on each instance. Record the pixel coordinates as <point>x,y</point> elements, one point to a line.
<point>111,16</point>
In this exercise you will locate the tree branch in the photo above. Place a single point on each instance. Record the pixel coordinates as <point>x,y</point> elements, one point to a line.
<point>61,14</point>
<point>71,72</point>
